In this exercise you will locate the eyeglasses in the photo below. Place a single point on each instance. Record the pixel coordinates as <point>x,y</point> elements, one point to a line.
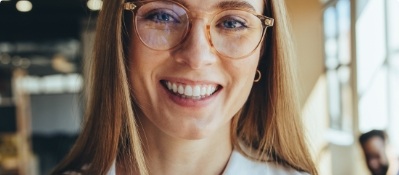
<point>163,25</point>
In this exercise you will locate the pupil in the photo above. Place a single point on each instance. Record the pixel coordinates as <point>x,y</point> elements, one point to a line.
<point>230,24</point>
<point>164,17</point>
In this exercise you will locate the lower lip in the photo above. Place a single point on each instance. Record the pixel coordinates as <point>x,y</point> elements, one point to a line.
<point>186,102</point>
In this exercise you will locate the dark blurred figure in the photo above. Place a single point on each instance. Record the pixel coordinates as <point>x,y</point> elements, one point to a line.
<point>374,144</point>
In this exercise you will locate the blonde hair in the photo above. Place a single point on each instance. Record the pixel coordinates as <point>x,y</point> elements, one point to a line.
<point>268,124</point>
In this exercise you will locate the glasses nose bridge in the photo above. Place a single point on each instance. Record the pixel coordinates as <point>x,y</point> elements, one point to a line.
<point>196,14</point>
<point>193,18</point>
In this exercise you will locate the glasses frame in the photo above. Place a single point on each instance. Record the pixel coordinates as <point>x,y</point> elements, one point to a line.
<point>134,6</point>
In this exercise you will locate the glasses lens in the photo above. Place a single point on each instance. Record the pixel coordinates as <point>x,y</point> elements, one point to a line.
<point>236,33</point>
<point>161,25</point>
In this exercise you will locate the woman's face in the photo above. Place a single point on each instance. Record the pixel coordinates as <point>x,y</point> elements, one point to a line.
<point>191,91</point>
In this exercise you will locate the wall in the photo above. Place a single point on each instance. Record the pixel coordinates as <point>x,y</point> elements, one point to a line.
<point>307,31</point>
<point>306,20</point>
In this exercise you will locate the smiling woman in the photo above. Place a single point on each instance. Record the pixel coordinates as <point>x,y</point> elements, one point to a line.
<point>191,87</point>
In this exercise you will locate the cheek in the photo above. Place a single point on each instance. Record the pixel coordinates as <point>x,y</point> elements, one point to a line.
<point>241,73</point>
<point>139,86</point>
<point>137,67</point>
<point>141,70</point>
<point>143,63</point>
<point>144,67</point>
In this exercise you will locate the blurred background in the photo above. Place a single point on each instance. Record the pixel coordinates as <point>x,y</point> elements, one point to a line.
<point>347,61</point>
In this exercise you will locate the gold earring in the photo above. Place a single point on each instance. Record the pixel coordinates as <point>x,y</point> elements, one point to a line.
<point>259,76</point>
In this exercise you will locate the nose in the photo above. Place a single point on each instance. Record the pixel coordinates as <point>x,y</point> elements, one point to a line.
<point>196,51</point>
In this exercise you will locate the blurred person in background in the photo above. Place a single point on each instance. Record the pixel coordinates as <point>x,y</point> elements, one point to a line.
<point>191,87</point>
<point>380,159</point>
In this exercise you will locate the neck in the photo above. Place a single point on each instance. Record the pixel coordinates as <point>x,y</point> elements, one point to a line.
<point>169,155</point>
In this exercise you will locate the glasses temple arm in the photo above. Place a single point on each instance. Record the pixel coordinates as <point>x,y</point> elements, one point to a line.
<point>129,6</point>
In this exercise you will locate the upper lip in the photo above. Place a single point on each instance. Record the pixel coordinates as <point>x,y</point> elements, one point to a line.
<point>190,82</point>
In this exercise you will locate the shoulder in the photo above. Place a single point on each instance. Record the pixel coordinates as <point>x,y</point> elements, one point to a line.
<point>239,164</point>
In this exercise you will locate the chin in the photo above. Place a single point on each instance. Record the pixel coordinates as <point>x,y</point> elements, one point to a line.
<point>187,128</point>
<point>382,171</point>
<point>194,132</point>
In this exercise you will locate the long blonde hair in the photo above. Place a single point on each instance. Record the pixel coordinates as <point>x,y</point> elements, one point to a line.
<point>268,124</point>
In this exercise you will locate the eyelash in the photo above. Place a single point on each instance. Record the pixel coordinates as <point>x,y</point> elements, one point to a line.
<point>239,22</point>
<point>154,16</point>
<point>222,21</point>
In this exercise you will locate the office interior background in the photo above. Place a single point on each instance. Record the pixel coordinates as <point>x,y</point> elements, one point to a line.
<point>348,72</point>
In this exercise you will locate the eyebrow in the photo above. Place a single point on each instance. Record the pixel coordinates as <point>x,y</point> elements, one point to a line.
<point>235,4</point>
<point>182,2</point>
<point>227,5</point>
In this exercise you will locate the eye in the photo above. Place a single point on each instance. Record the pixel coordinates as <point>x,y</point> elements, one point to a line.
<point>162,16</point>
<point>232,23</point>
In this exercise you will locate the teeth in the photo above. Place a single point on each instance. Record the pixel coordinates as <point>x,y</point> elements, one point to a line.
<point>209,90</point>
<point>180,90</point>
<point>174,87</point>
<point>203,91</point>
<point>188,91</point>
<point>169,85</point>
<point>194,92</point>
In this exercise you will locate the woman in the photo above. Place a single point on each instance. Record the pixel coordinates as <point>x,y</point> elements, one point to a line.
<point>191,87</point>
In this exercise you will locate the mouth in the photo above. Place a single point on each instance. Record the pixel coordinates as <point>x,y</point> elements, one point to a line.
<point>193,92</point>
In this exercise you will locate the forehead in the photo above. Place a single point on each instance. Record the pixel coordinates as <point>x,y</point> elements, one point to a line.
<point>375,144</point>
<point>210,5</point>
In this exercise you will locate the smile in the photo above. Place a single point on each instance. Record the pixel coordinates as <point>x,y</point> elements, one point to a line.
<point>195,92</point>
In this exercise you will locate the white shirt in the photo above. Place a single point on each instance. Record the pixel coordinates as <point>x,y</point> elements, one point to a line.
<point>241,165</point>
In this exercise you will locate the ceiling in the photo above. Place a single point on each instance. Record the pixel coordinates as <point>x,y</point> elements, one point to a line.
<point>48,19</point>
<point>33,39</point>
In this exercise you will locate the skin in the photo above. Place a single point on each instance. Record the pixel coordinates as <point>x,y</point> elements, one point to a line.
<point>194,138</point>
<point>376,158</point>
